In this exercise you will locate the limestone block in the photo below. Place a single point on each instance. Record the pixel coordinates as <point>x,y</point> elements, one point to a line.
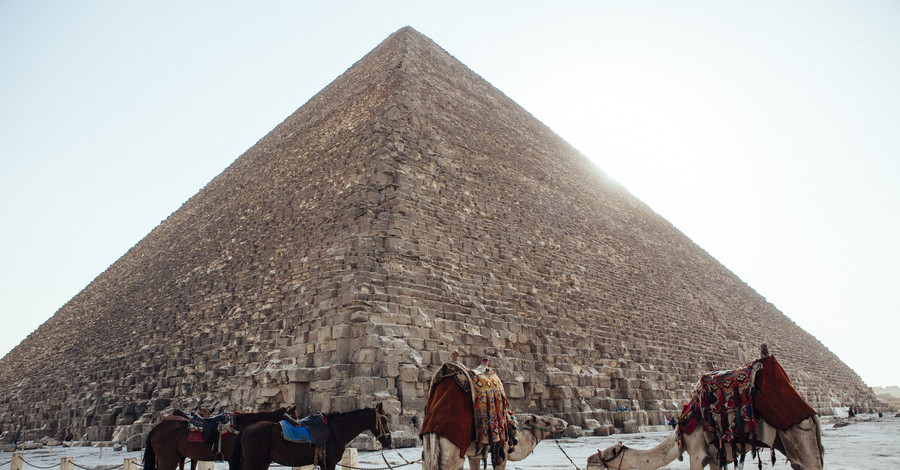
<point>557,392</point>
<point>515,390</point>
<point>409,373</point>
<point>573,431</point>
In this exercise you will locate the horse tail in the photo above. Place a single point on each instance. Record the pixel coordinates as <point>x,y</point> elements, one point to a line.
<point>149,454</point>
<point>431,451</point>
<point>819,440</point>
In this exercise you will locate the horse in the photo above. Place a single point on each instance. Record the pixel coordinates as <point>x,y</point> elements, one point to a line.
<point>261,443</point>
<point>168,445</point>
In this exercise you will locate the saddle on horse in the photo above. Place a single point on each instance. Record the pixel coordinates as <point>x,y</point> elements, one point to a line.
<point>210,430</point>
<point>312,429</point>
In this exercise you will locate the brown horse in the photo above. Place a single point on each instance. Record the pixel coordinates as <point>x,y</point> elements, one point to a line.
<point>168,445</point>
<point>261,444</point>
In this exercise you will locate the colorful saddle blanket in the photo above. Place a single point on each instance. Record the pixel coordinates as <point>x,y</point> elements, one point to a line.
<point>723,403</point>
<point>728,403</point>
<point>312,429</point>
<point>448,410</point>
<point>491,409</point>
<point>293,433</point>
<point>472,407</point>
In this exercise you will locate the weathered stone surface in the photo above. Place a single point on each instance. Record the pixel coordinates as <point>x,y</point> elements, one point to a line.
<point>407,211</point>
<point>573,431</point>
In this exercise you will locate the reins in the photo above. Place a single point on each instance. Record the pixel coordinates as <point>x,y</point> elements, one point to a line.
<point>567,455</point>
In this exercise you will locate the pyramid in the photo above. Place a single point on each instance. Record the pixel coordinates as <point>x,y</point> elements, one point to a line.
<point>407,211</point>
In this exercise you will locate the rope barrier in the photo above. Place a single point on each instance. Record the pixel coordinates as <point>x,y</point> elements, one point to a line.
<point>567,455</point>
<point>37,466</point>
<point>102,467</point>
<point>75,464</point>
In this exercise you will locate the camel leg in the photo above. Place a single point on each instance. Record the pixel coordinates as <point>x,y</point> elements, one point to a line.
<point>438,453</point>
<point>801,445</point>
<point>450,459</point>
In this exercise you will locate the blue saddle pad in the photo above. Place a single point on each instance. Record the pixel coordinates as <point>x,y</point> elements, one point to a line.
<point>293,433</point>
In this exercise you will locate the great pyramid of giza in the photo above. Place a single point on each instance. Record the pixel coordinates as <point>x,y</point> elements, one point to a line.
<point>409,210</point>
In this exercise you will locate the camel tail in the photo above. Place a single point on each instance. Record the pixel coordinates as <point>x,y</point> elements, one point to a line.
<point>149,454</point>
<point>431,451</point>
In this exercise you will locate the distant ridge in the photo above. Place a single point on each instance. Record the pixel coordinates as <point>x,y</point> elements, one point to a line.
<point>407,211</point>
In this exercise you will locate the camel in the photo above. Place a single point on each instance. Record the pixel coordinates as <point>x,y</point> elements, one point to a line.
<point>439,453</point>
<point>801,444</point>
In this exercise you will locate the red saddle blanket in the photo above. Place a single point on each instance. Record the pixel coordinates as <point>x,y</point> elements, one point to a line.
<point>448,411</point>
<point>775,398</point>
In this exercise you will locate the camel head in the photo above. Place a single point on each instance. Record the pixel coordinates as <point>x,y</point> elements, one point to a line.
<point>609,457</point>
<point>547,425</point>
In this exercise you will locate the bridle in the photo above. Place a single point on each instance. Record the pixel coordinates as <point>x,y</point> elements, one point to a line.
<point>619,452</point>
<point>533,428</point>
<point>381,425</point>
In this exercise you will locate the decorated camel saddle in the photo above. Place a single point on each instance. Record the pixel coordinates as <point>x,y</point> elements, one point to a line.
<point>470,406</point>
<point>728,403</point>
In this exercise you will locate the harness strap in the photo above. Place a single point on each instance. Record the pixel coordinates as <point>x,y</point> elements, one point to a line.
<point>606,462</point>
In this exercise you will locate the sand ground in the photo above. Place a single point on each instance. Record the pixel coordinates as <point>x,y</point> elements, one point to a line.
<point>864,443</point>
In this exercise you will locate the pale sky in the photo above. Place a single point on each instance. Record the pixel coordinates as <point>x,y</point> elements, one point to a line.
<point>768,132</point>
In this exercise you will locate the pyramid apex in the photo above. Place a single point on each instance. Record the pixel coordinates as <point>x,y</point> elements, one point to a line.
<point>408,30</point>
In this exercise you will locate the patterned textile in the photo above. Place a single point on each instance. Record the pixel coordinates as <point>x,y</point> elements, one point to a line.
<point>492,424</point>
<point>726,404</point>
<point>723,403</point>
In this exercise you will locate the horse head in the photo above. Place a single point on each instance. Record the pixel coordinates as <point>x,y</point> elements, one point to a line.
<point>292,412</point>
<point>382,431</point>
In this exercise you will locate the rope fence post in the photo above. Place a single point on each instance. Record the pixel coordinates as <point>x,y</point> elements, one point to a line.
<point>305,467</point>
<point>66,463</point>
<point>130,464</point>
<point>18,461</point>
<point>205,465</point>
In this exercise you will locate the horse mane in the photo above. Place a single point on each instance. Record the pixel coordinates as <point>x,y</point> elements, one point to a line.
<point>341,414</point>
<point>242,419</point>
